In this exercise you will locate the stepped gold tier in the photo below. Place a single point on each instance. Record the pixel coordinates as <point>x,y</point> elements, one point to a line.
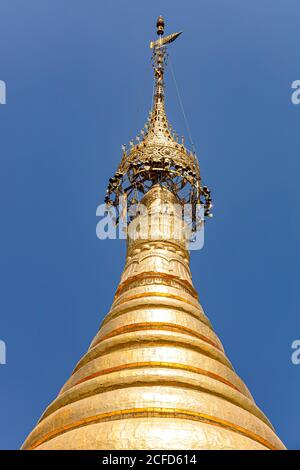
<point>156,375</point>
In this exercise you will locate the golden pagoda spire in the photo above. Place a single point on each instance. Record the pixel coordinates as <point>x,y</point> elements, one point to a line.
<point>156,375</point>
<point>159,132</point>
<point>157,156</point>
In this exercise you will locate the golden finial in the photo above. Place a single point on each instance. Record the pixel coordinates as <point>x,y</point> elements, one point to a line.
<point>157,155</point>
<point>160,24</point>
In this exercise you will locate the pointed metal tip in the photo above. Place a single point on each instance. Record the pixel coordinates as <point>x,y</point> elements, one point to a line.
<point>160,25</point>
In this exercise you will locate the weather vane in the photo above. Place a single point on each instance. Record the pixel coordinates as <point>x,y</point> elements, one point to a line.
<point>160,24</point>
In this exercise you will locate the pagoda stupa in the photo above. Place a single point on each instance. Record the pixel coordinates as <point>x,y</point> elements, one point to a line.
<point>156,375</point>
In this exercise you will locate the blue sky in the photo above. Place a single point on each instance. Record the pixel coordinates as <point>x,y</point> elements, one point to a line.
<point>79,84</point>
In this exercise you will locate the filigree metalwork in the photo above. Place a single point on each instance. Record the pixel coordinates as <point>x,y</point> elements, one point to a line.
<point>158,157</point>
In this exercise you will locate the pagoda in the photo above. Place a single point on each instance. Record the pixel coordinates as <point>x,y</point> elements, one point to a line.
<point>156,375</point>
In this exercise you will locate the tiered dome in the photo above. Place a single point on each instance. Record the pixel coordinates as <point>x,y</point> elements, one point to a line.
<point>156,375</point>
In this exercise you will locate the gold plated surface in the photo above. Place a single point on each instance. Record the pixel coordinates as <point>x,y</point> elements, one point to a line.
<point>156,375</point>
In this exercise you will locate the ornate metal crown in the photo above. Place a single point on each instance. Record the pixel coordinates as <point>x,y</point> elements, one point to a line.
<point>157,156</point>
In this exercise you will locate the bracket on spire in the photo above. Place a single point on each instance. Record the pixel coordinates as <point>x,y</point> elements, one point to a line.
<point>164,41</point>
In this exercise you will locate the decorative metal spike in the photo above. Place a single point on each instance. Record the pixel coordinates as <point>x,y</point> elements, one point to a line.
<point>157,154</point>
